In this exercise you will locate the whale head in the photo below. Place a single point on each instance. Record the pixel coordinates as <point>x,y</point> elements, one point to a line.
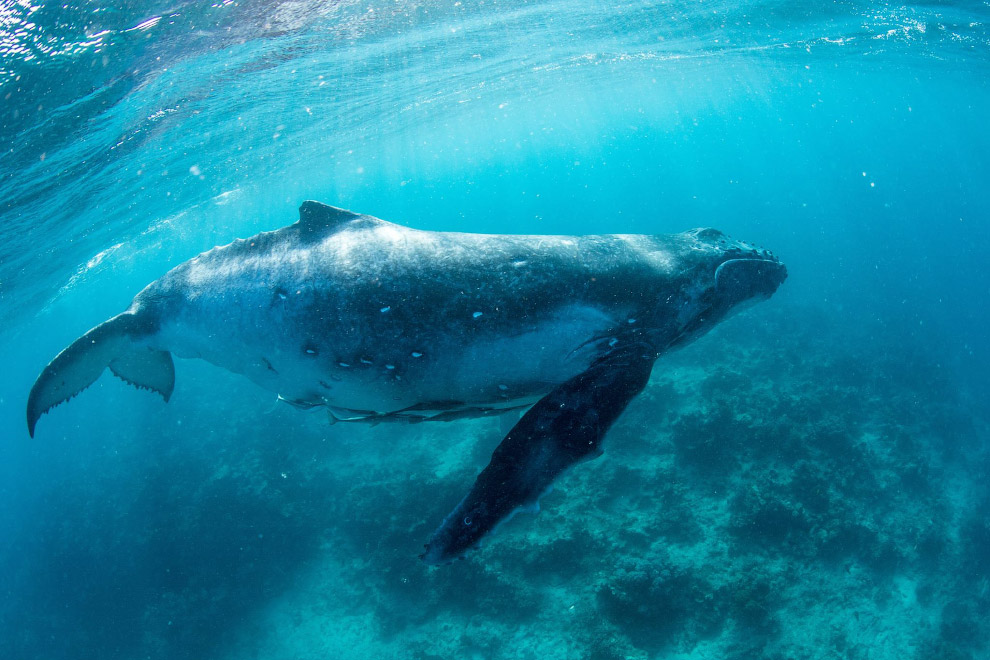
<point>722,276</point>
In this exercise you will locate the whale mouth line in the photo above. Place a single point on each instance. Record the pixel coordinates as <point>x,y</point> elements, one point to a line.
<point>742,278</point>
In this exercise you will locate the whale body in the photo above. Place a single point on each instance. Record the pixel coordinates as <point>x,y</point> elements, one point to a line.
<point>375,322</point>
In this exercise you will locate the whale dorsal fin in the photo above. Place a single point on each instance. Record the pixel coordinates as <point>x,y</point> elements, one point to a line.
<point>315,216</point>
<point>318,220</point>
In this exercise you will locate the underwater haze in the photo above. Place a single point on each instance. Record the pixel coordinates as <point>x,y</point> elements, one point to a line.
<point>810,480</point>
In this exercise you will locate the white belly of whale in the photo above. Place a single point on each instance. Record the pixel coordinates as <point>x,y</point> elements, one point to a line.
<point>495,371</point>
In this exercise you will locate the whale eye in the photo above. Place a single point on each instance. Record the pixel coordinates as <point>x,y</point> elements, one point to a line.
<point>468,521</point>
<point>310,350</point>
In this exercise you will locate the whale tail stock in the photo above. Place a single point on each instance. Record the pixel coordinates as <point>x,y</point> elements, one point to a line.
<point>114,344</point>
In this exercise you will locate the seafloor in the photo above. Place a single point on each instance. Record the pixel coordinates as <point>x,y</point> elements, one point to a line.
<point>796,485</point>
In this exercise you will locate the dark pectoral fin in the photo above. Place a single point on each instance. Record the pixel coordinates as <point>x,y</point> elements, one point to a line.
<point>563,428</point>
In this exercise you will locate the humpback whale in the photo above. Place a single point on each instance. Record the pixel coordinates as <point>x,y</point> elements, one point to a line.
<point>375,321</point>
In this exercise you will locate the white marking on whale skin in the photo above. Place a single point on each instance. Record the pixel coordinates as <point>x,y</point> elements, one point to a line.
<point>349,250</point>
<point>214,270</point>
<point>662,260</point>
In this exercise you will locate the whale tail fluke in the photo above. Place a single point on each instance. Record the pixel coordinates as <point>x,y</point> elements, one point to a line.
<point>111,344</point>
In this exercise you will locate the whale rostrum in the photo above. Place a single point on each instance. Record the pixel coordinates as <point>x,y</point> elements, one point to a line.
<point>375,322</point>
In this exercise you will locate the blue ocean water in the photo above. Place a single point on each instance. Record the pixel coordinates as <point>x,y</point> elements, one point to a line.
<point>808,481</point>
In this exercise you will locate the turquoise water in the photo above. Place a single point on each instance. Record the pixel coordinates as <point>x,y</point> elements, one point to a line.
<point>807,481</point>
